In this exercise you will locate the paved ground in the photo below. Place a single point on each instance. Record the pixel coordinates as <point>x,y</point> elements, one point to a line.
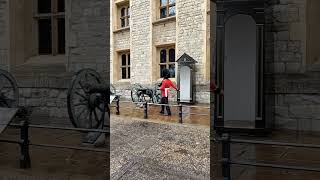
<point>149,150</point>
<point>49,163</point>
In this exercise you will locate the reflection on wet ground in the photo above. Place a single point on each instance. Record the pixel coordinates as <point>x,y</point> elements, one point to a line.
<point>199,114</point>
<point>271,154</point>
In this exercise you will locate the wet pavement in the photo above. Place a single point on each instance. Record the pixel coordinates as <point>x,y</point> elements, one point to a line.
<point>154,148</point>
<point>50,163</point>
<point>199,114</point>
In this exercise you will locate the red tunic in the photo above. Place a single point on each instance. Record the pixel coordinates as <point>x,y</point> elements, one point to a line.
<point>166,83</point>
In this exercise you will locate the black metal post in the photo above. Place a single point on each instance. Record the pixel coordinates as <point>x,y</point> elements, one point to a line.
<point>146,110</point>
<point>225,140</point>
<point>180,113</point>
<point>118,106</point>
<point>24,156</point>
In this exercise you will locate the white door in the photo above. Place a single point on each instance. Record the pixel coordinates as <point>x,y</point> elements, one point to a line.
<point>240,69</point>
<point>185,84</point>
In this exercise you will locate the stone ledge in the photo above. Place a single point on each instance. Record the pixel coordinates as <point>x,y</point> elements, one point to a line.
<point>164,20</point>
<point>122,29</point>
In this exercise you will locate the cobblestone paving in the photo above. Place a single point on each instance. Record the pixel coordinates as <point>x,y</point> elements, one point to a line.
<point>147,150</point>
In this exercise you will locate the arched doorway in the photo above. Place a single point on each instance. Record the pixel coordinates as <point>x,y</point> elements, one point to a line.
<point>240,70</point>
<point>239,67</point>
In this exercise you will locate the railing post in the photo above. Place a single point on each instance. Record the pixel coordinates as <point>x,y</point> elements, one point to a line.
<point>225,141</point>
<point>118,106</point>
<point>146,110</point>
<point>24,156</point>
<point>180,113</point>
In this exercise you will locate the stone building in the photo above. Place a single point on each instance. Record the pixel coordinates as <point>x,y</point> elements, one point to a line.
<point>149,35</point>
<point>289,30</point>
<point>43,42</point>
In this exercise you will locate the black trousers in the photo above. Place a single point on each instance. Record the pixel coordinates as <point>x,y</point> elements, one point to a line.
<point>164,100</point>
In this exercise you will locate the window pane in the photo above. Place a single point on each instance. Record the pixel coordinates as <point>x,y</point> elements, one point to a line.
<point>128,21</point>
<point>172,2</point>
<point>123,12</point>
<point>123,23</point>
<point>163,2</point>
<point>61,36</point>
<point>128,59</point>
<point>172,55</point>
<point>172,11</point>
<point>61,6</point>
<point>44,6</point>
<point>129,72</point>
<point>124,73</point>
<point>162,67</point>
<point>124,58</point>
<point>45,36</point>
<point>172,70</point>
<point>128,11</point>
<point>163,56</point>
<point>163,12</point>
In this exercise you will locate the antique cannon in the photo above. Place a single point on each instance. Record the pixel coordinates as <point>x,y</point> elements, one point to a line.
<point>145,94</point>
<point>88,99</point>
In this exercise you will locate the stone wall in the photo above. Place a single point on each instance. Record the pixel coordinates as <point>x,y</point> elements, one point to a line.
<point>140,29</point>
<point>188,31</point>
<point>4,34</point>
<point>88,34</point>
<point>122,40</point>
<point>296,90</point>
<point>164,33</point>
<point>191,31</point>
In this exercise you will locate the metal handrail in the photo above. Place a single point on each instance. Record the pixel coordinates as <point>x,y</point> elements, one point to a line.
<point>226,161</point>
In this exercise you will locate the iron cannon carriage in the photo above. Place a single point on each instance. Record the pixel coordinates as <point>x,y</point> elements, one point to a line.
<point>143,94</point>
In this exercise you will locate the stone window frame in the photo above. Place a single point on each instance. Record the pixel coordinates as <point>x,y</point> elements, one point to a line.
<point>167,7</point>
<point>124,17</point>
<point>167,63</point>
<point>127,65</point>
<point>54,16</point>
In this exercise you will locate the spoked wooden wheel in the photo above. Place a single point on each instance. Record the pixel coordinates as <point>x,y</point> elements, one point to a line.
<point>86,110</point>
<point>157,93</point>
<point>134,92</point>
<point>9,93</point>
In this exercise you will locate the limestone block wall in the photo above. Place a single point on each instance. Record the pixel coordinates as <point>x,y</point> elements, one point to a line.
<point>122,40</point>
<point>164,33</point>
<point>191,32</point>
<point>89,36</point>
<point>141,39</point>
<point>295,90</point>
<point>4,34</point>
<point>192,39</point>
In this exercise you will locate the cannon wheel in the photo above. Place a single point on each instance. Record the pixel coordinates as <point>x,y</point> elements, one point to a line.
<point>157,93</point>
<point>9,92</point>
<point>85,109</point>
<point>134,92</point>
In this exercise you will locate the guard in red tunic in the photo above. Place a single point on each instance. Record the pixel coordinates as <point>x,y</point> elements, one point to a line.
<point>165,87</point>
